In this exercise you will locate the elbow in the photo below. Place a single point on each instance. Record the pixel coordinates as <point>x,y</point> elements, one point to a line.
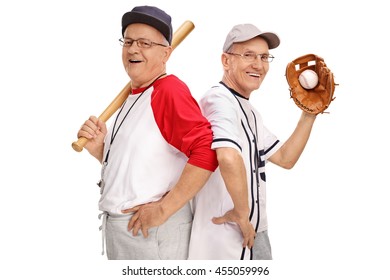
<point>228,157</point>
<point>288,165</point>
<point>283,159</point>
<point>226,160</point>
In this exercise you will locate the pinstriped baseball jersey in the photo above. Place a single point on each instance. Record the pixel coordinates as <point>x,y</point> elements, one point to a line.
<point>163,130</point>
<point>235,124</point>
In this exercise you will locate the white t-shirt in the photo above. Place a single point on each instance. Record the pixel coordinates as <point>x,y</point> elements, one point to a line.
<point>236,124</point>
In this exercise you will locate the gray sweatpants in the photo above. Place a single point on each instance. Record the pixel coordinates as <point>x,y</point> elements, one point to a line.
<point>169,241</point>
<point>262,247</point>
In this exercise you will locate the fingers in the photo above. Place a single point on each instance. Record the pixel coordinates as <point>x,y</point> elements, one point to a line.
<point>248,233</point>
<point>133,222</point>
<point>220,220</point>
<point>145,216</point>
<point>249,237</point>
<point>89,129</point>
<point>248,242</point>
<point>137,226</point>
<point>102,126</point>
<point>247,230</point>
<point>144,231</point>
<point>131,210</point>
<point>251,242</point>
<point>92,128</point>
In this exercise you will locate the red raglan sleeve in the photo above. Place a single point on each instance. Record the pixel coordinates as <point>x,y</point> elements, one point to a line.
<point>181,122</point>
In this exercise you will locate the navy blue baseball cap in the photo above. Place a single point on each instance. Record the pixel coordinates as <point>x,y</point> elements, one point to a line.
<point>149,15</point>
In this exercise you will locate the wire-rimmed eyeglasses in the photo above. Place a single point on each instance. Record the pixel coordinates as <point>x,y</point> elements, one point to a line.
<point>251,56</point>
<point>141,43</point>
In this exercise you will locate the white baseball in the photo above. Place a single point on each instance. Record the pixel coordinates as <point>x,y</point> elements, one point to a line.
<point>308,79</point>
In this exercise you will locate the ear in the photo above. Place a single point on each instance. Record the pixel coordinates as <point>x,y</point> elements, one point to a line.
<point>225,59</point>
<point>167,53</point>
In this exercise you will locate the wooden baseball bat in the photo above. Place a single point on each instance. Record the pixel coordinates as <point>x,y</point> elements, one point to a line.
<point>180,34</point>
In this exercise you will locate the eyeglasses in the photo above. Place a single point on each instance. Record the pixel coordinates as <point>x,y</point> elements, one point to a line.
<point>141,43</point>
<point>251,56</point>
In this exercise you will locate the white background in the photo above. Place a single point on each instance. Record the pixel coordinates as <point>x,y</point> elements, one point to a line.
<point>60,62</point>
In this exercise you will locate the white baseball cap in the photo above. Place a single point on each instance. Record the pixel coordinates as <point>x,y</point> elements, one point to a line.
<point>244,32</point>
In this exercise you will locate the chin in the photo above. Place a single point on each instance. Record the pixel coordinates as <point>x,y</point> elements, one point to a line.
<point>255,86</point>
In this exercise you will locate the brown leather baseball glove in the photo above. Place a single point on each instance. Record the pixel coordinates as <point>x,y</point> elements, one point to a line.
<point>317,99</point>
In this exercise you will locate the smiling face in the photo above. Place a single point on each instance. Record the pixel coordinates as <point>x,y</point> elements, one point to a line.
<point>241,75</point>
<point>143,65</point>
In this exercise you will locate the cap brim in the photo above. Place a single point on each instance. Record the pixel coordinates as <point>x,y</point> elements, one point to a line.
<point>271,38</point>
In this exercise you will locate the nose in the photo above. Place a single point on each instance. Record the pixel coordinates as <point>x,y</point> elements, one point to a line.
<point>258,63</point>
<point>133,48</point>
